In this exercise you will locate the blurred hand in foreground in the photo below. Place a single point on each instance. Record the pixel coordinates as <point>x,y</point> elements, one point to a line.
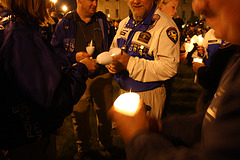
<point>130,126</point>
<point>200,50</point>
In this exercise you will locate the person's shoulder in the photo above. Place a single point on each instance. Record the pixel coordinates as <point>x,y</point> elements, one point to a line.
<point>16,23</point>
<point>69,15</point>
<point>164,18</point>
<point>125,20</point>
<point>67,19</point>
<point>101,15</point>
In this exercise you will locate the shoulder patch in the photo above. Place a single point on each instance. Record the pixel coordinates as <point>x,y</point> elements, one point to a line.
<point>172,34</point>
<point>155,19</point>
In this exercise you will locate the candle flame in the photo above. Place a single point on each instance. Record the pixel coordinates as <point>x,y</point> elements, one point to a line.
<point>127,103</point>
<point>199,60</point>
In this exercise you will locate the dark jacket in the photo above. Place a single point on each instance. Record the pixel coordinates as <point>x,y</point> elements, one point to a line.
<point>217,129</point>
<point>36,92</point>
<point>64,37</point>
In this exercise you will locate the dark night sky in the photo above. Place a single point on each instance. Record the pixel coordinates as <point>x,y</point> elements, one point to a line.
<point>71,4</point>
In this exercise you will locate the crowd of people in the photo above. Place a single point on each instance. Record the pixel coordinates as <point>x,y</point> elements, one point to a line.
<point>48,72</point>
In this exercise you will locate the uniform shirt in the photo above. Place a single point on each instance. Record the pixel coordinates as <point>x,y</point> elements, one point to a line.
<point>153,46</point>
<point>211,45</point>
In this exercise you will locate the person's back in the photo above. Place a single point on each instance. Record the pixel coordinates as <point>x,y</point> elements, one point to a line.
<point>34,97</point>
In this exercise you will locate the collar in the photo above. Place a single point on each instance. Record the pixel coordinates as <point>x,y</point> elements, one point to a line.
<point>144,24</point>
<point>78,18</point>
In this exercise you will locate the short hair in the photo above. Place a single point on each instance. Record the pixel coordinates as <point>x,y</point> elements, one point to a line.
<point>33,10</point>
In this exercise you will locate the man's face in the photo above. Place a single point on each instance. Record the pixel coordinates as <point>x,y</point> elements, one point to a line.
<point>222,16</point>
<point>89,6</point>
<point>140,8</point>
<point>170,8</point>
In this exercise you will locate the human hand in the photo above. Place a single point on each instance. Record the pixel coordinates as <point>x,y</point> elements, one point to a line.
<point>91,64</point>
<point>120,61</point>
<point>111,68</point>
<point>130,126</point>
<point>183,56</point>
<point>196,66</point>
<point>200,50</point>
<point>81,55</point>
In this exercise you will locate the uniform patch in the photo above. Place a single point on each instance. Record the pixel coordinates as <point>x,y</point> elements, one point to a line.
<point>124,32</point>
<point>144,37</point>
<point>155,18</point>
<point>225,45</point>
<point>172,34</point>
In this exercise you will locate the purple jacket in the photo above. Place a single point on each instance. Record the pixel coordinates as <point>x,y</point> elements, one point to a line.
<point>36,92</point>
<point>64,37</point>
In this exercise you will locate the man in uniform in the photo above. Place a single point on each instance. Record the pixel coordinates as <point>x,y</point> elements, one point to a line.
<point>78,29</point>
<point>213,134</point>
<point>149,40</point>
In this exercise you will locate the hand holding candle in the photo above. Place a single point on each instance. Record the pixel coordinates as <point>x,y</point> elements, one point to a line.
<point>199,61</point>
<point>127,103</point>
<point>90,48</point>
<point>105,58</point>
<point>132,122</point>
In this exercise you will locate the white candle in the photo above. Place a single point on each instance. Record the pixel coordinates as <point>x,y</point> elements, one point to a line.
<point>90,48</point>
<point>127,103</point>
<point>115,51</point>
<point>104,58</point>
<point>200,39</point>
<point>188,47</point>
<point>199,60</point>
<point>194,39</point>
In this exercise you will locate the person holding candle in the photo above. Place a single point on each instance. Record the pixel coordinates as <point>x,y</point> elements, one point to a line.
<point>36,91</point>
<point>87,33</point>
<point>212,134</point>
<point>168,7</point>
<point>149,40</point>
<point>216,53</point>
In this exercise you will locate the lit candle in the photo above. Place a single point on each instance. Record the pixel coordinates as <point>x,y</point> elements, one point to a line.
<point>90,48</point>
<point>200,39</point>
<point>188,47</point>
<point>127,103</point>
<point>199,60</point>
<point>194,39</point>
<point>104,58</point>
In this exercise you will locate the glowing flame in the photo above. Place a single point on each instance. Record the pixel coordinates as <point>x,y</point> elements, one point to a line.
<point>127,103</point>
<point>199,60</point>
